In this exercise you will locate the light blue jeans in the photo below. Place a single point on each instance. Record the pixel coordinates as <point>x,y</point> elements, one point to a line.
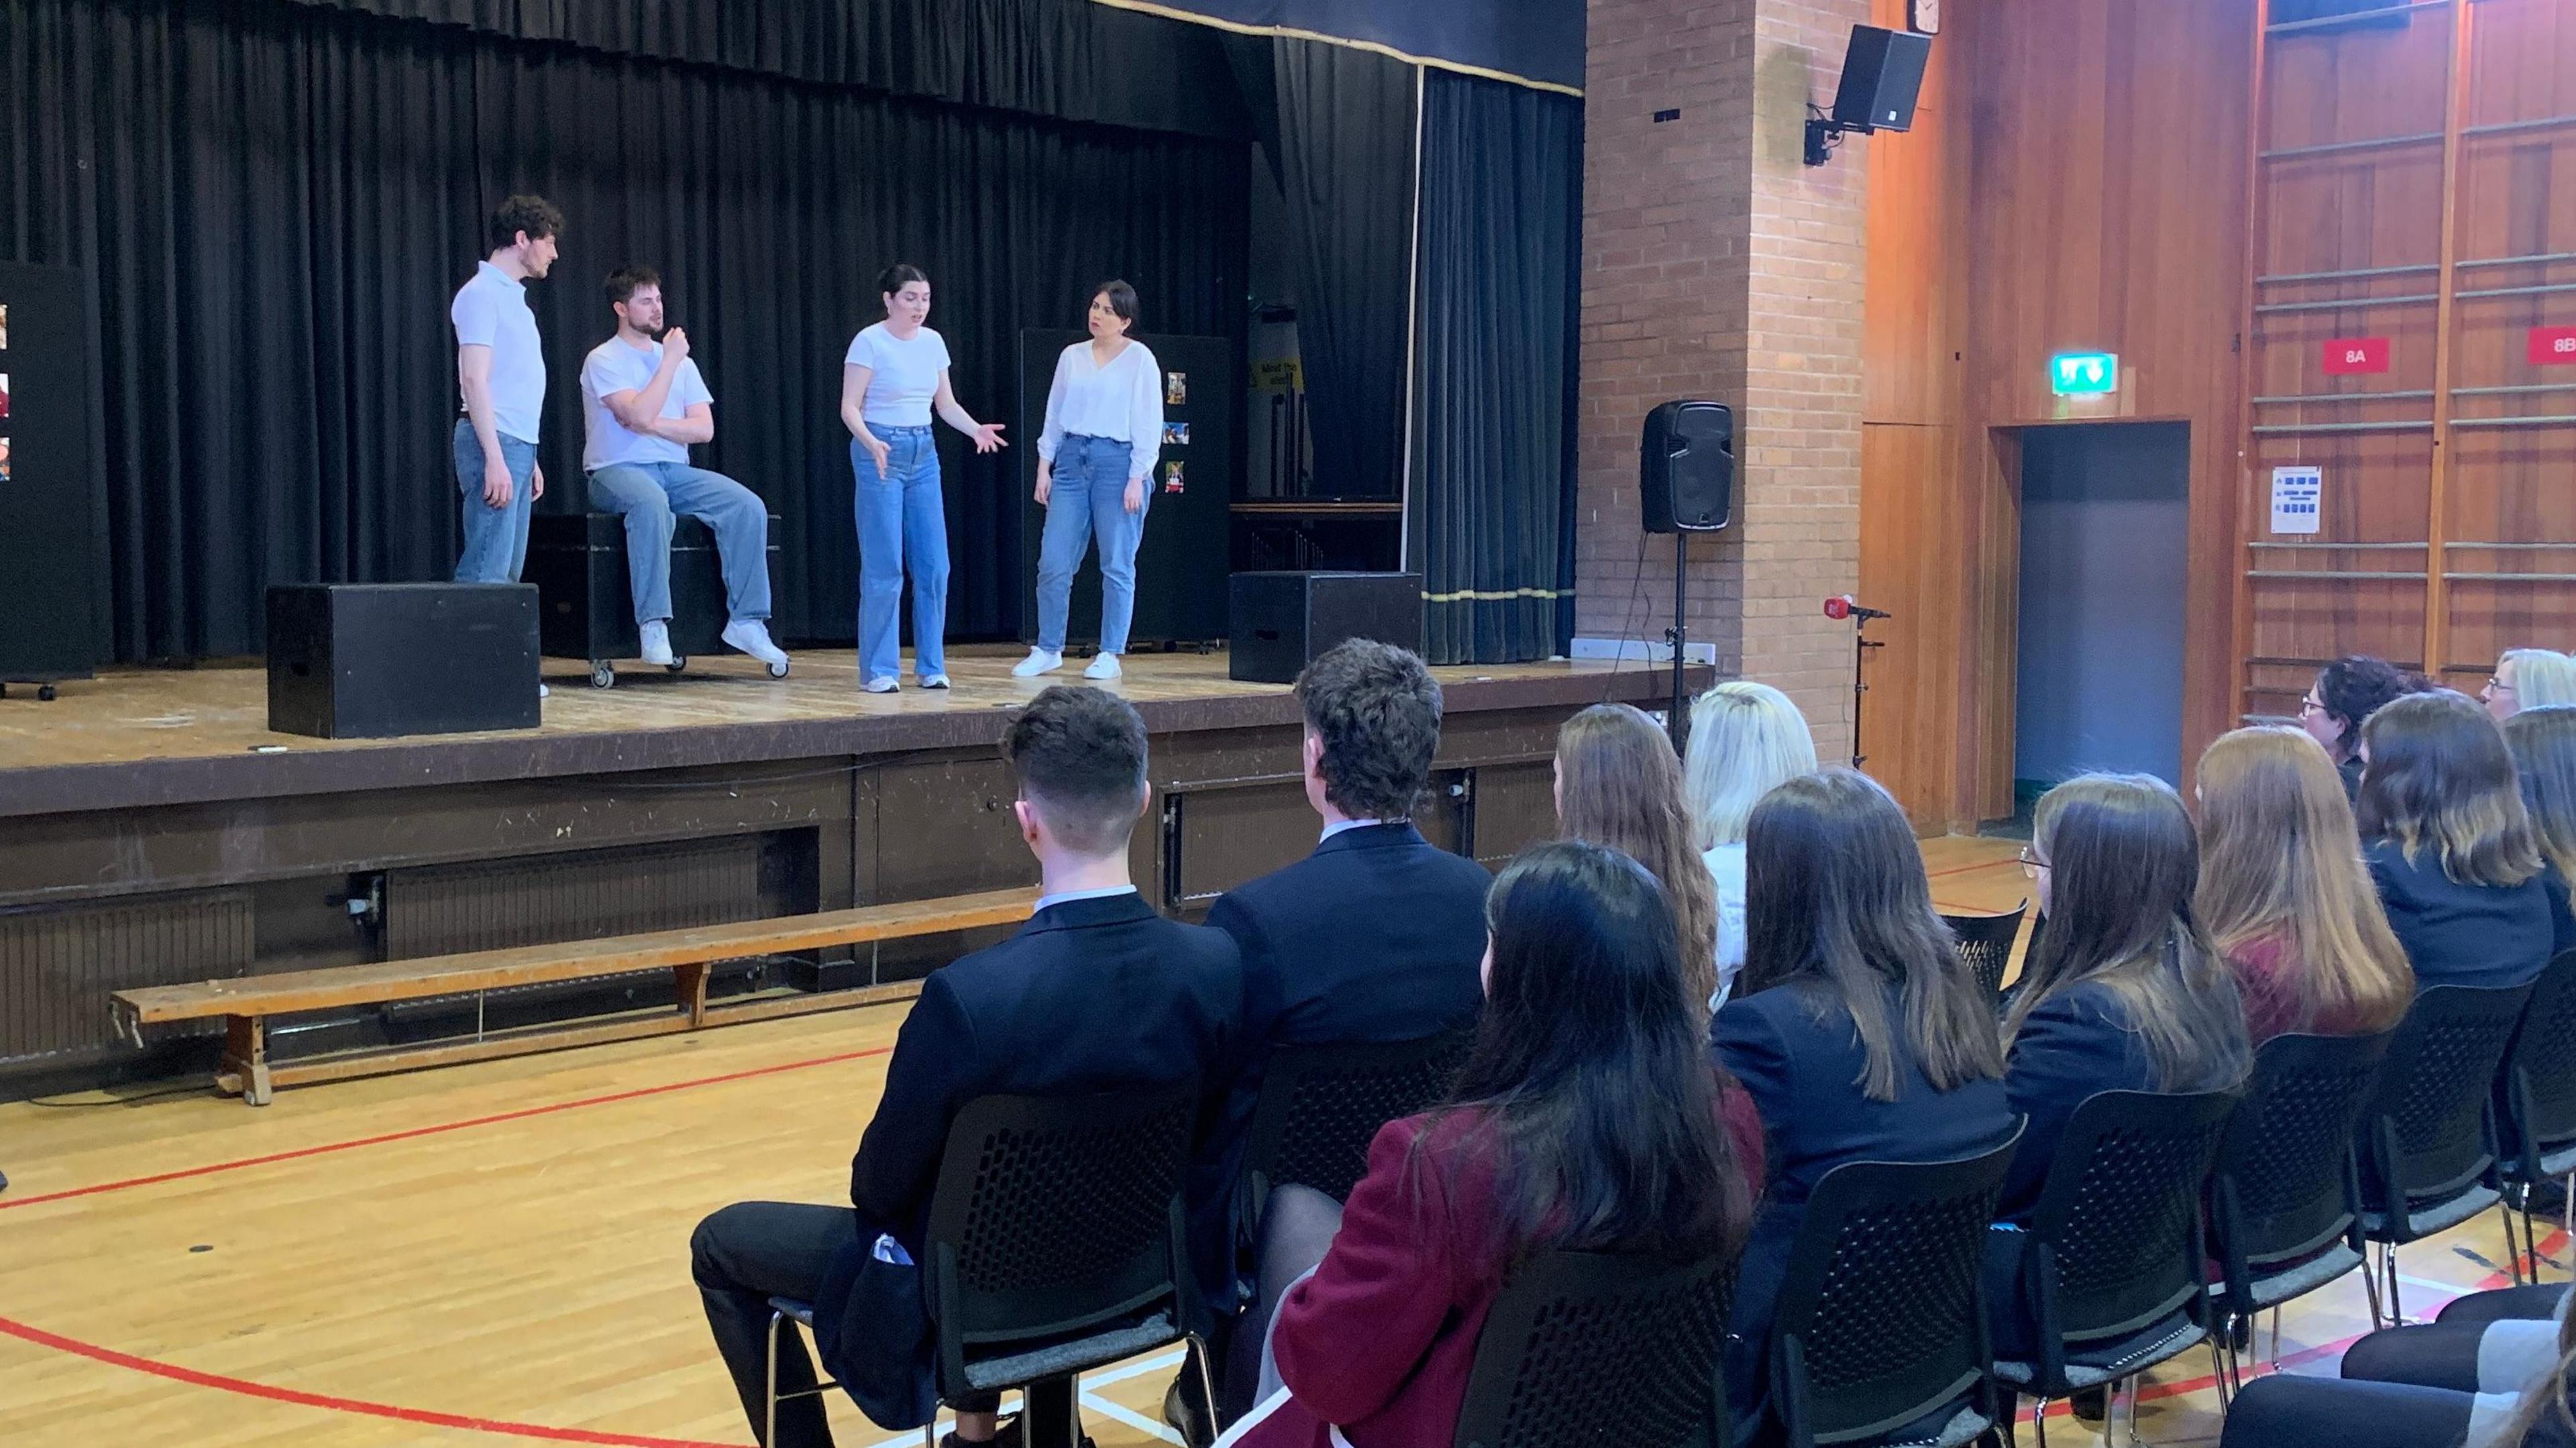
<point>648,494</point>
<point>496,539</point>
<point>902,525</point>
<point>1089,496</point>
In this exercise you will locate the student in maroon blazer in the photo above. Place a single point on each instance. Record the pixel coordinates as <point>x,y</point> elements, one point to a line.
<point>1587,1022</point>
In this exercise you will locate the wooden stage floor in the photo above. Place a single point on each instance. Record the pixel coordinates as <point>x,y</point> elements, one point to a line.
<point>499,1252</point>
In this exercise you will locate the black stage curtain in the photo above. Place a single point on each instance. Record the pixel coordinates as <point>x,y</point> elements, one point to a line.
<point>1493,422</point>
<point>279,200</point>
<point>1539,40</point>
<point>1346,164</point>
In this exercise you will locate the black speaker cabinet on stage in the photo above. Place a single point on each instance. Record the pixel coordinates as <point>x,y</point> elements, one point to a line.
<point>1189,519</point>
<point>578,563</point>
<point>1282,620</point>
<point>52,513</point>
<point>375,660</point>
<point>1686,467</point>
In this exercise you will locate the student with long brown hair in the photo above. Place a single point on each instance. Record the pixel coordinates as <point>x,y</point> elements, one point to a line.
<point>1618,783</point>
<point>2543,743</point>
<point>2451,846</point>
<point>2283,893</point>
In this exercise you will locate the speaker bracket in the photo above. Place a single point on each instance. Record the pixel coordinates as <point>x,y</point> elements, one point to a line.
<point>1825,134</point>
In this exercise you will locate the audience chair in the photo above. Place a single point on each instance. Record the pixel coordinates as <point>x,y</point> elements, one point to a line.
<point>1882,1312</point>
<point>2113,1272</point>
<point>1321,1106</point>
<point>2426,1141</point>
<point>2536,1104</point>
<point>1587,1347</point>
<point>2284,1200</point>
<point>1985,944</point>
<point>783,1310</point>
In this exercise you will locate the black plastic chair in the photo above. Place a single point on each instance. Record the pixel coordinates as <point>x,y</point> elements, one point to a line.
<point>2426,1142</point>
<point>1321,1106</point>
<point>2113,1273</point>
<point>1985,943</point>
<point>2284,1203</point>
<point>2536,1103</point>
<point>1882,1311</point>
<point>1595,1348</point>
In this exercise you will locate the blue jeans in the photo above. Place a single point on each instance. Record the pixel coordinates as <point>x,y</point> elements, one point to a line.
<point>496,539</point>
<point>648,494</point>
<point>902,525</point>
<point>1088,495</point>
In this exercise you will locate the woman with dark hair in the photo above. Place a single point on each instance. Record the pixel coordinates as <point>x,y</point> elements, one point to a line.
<point>1618,783</point>
<point>2122,992</point>
<point>1853,1027</point>
<point>2451,847</point>
<point>2346,693</point>
<point>1587,1118</point>
<point>894,377</point>
<point>1104,428</point>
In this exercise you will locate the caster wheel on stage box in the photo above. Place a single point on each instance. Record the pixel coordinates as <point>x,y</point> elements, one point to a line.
<point>678,662</point>
<point>778,671</point>
<point>45,693</point>
<point>601,675</point>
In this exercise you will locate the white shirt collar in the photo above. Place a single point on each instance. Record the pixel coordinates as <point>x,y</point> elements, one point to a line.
<point>1338,826</point>
<point>1103,893</point>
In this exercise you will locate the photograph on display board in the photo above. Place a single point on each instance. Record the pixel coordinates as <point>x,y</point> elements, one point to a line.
<point>1176,389</point>
<point>4,326</point>
<point>1176,434</point>
<point>4,396</point>
<point>4,460</point>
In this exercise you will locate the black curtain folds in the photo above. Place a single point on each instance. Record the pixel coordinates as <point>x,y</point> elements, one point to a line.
<point>279,199</point>
<point>1493,421</point>
<point>1536,40</point>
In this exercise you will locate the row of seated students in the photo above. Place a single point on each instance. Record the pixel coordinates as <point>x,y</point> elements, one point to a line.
<point>1603,1106</point>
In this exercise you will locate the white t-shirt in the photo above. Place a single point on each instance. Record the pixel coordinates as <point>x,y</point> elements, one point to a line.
<point>1726,867</point>
<point>615,366</point>
<point>1122,402</point>
<point>905,374</point>
<point>491,310</point>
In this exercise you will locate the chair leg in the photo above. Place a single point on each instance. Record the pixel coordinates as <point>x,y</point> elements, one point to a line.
<point>2513,1252</point>
<point>2219,1373</point>
<point>2275,1359</point>
<point>2039,1421</point>
<point>2370,1286</point>
<point>769,1418</point>
<point>1198,1357</point>
<point>2396,1298</point>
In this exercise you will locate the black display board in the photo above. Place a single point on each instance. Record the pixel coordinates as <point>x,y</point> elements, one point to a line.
<point>50,512</point>
<point>1182,565</point>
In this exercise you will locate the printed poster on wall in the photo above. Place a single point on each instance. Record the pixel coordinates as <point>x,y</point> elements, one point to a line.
<point>2295,495</point>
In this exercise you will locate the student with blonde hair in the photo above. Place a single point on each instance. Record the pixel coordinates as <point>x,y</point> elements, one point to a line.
<point>2284,895</point>
<point>1618,784</point>
<point>1746,740</point>
<point>2529,679</point>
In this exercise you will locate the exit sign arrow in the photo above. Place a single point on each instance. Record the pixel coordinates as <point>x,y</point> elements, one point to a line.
<point>2084,374</point>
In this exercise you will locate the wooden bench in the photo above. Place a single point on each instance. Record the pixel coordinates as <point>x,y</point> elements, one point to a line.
<point>245,1004</point>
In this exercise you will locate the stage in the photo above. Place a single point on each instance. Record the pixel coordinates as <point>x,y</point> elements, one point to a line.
<point>153,830</point>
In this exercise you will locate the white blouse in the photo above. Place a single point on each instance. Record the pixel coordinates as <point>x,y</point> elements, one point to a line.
<point>1122,402</point>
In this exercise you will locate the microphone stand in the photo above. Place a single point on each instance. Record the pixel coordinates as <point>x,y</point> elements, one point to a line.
<point>1678,722</point>
<point>1861,646</point>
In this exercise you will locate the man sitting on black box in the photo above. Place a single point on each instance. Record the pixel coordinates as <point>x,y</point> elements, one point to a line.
<point>1096,993</point>
<point>643,404</point>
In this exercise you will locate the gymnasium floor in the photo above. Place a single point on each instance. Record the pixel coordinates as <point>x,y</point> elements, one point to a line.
<point>499,1251</point>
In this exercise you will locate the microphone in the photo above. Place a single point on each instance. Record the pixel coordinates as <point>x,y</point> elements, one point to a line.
<point>1843,606</point>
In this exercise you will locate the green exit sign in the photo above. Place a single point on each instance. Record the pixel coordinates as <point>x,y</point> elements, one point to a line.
<point>2083,374</point>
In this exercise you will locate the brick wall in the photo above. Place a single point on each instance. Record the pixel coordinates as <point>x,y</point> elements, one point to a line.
<point>1717,265</point>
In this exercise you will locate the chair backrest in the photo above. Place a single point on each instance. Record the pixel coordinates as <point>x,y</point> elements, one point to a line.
<point>1320,1106</point>
<point>2540,1069</point>
<point>2283,1187</point>
<point>1985,943</point>
<point>2117,1229</point>
<point>1881,1314</point>
<point>1589,1347</point>
<point>1056,1214</point>
<point>2425,1134</point>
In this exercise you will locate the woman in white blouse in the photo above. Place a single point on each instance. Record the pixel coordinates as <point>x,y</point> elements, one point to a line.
<point>1746,739</point>
<point>1104,426</point>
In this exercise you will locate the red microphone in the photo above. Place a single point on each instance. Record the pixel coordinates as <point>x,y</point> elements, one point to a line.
<point>1843,606</point>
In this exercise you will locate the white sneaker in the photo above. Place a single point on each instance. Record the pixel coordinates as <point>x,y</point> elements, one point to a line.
<point>1103,666</point>
<point>1038,662</point>
<point>883,684</point>
<point>751,636</point>
<point>934,681</point>
<point>657,643</point>
<point>544,693</point>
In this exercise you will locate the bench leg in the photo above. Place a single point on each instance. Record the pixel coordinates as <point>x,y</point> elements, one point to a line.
<point>692,983</point>
<point>246,1056</point>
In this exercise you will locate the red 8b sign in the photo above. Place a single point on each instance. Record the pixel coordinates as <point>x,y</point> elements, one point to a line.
<point>2553,346</point>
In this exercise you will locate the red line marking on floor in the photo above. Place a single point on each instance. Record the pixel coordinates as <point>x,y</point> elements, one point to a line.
<point>1969,869</point>
<point>425,1416</point>
<point>441,1128</point>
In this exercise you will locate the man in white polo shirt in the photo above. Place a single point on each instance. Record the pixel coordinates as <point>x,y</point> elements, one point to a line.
<point>643,404</point>
<point>501,371</point>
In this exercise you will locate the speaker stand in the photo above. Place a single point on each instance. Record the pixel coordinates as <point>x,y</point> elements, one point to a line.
<point>1677,723</point>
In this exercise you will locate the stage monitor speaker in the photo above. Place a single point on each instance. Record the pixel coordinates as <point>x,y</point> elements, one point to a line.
<point>376,660</point>
<point>1882,75</point>
<point>1686,467</point>
<point>1281,621</point>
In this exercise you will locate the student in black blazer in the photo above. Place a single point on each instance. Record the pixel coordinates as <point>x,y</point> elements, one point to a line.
<point>2452,848</point>
<point>1375,937</point>
<point>1096,993</point>
<point>1853,1026</point>
<point>2123,992</point>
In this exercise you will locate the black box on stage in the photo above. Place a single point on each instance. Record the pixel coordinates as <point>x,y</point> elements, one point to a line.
<point>578,563</point>
<point>376,660</point>
<point>1282,620</point>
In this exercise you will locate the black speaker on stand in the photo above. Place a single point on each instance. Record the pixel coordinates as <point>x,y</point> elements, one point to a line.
<point>1686,484</point>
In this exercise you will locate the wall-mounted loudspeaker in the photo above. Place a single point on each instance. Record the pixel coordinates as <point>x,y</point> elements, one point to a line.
<point>1882,75</point>
<point>1686,467</point>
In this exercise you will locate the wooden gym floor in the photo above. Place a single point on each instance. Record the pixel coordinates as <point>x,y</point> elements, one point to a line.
<point>499,1251</point>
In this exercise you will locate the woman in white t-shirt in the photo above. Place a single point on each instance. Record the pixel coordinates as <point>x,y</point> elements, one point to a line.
<point>1746,739</point>
<point>1104,426</point>
<point>895,375</point>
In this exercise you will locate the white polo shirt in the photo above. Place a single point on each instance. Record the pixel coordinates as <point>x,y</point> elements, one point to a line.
<point>491,310</point>
<point>904,375</point>
<point>616,366</point>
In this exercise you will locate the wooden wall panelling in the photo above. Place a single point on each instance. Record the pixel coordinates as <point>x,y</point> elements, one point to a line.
<point>1908,485</point>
